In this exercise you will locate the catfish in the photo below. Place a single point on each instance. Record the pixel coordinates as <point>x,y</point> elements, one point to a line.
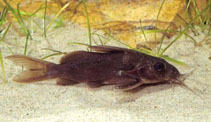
<point>124,68</point>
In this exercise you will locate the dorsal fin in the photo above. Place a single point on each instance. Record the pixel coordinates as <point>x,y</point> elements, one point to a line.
<point>108,49</point>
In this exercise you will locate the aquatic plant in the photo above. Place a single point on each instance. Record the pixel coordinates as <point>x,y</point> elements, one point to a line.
<point>2,68</point>
<point>3,15</point>
<point>88,22</point>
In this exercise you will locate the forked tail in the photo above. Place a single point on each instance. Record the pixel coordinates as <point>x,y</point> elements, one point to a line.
<point>36,69</point>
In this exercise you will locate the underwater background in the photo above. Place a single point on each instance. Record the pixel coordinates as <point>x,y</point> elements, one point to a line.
<point>48,29</point>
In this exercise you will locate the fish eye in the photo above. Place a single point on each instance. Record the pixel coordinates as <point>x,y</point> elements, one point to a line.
<point>159,67</point>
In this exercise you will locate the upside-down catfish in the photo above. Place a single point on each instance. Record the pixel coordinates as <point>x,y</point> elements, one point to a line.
<point>124,68</point>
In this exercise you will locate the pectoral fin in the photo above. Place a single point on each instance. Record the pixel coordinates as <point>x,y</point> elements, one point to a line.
<point>131,86</point>
<point>95,84</point>
<point>65,82</point>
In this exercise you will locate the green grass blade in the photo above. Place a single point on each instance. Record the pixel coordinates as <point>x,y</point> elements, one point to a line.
<point>2,68</point>
<point>3,15</point>
<point>101,38</point>
<point>44,18</point>
<point>56,16</point>
<point>10,50</point>
<point>167,30</point>
<point>177,38</point>
<point>142,30</point>
<point>159,11</point>
<point>174,60</point>
<point>88,22</point>
<point>59,23</point>
<point>101,41</point>
<point>23,13</point>
<point>188,10</point>
<point>54,54</point>
<point>188,2</point>
<point>161,42</point>
<point>197,11</point>
<point>33,14</point>
<point>186,23</point>
<point>18,17</point>
<point>5,33</point>
<point>26,43</point>
<point>78,43</point>
<point>26,31</point>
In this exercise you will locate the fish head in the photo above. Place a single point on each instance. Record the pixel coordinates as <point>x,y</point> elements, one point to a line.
<point>158,70</point>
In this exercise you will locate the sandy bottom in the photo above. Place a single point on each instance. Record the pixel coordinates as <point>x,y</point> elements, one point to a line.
<point>47,102</point>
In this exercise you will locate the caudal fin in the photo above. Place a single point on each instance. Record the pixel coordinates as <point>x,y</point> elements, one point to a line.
<point>36,69</point>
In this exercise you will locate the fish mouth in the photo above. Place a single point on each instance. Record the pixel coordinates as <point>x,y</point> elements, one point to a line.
<point>179,80</point>
<point>182,77</point>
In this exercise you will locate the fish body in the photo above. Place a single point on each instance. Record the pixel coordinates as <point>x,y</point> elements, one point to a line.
<point>125,68</point>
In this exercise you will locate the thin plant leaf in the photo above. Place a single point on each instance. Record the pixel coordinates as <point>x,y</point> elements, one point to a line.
<point>88,22</point>
<point>5,33</point>
<point>142,30</point>
<point>78,43</point>
<point>101,41</point>
<point>26,31</point>
<point>34,13</point>
<point>23,13</point>
<point>18,17</point>
<point>174,60</point>
<point>56,51</point>
<point>177,38</point>
<point>165,31</point>
<point>56,16</point>
<point>156,23</point>
<point>101,38</point>
<point>26,43</point>
<point>188,10</point>
<point>10,50</point>
<point>2,68</point>
<point>186,23</point>
<point>44,18</point>
<point>197,11</point>
<point>54,54</point>
<point>3,15</point>
<point>161,42</point>
<point>59,23</point>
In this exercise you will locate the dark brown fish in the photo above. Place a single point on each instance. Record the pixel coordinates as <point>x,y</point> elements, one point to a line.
<point>124,68</point>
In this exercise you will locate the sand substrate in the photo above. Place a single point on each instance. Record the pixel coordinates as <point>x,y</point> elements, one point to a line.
<point>47,102</point>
